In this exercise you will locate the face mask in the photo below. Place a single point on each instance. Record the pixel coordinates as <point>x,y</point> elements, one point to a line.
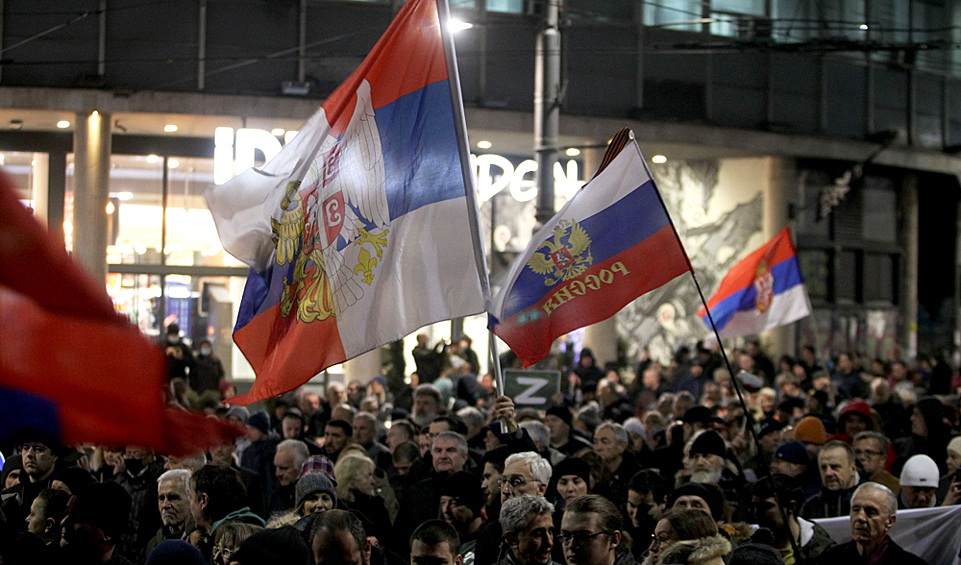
<point>173,339</point>
<point>133,465</point>
<point>204,351</point>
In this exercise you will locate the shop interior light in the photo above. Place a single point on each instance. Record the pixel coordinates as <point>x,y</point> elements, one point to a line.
<point>573,152</point>
<point>124,196</point>
<point>864,27</point>
<point>484,144</point>
<point>659,159</point>
<point>173,163</point>
<point>110,208</point>
<point>170,128</point>
<point>278,131</point>
<point>152,158</point>
<point>63,124</point>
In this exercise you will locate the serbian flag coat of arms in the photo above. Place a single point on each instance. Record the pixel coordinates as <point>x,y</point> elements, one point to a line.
<point>763,291</point>
<point>358,232</point>
<point>611,243</point>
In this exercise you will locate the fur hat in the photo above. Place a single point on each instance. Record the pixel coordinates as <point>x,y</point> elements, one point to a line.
<point>695,552</point>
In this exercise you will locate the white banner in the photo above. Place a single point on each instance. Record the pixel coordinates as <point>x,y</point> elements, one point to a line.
<point>933,534</point>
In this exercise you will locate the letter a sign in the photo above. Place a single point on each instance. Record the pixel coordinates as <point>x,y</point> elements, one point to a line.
<point>532,388</point>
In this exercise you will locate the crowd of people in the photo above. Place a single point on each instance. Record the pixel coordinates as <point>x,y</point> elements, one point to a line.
<point>656,465</point>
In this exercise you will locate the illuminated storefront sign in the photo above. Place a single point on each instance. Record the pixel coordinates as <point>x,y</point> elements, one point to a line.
<point>235,154</point>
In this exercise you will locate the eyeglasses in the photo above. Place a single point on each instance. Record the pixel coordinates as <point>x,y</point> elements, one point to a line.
<point>867,453</point>
<point>659,541</point>
<point>222,552</point>
<point>514,482</point>
<point>578,538</point>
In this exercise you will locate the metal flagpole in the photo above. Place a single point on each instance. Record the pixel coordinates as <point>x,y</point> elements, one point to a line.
<point>463,149</point>
<point>751,423</point>
<point>747,412</point>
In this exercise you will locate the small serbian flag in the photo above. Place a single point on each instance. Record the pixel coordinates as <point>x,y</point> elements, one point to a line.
<point>73,370</point>
<point>763,291</point>
<point>358,232</point>
<point>613,242</point>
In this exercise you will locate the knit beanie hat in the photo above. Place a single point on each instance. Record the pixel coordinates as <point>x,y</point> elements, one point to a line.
<point>712,496</point>
<point>466,488</point>
<point>810,430</point>
<point>709,443</point>
<point>953,445</point>
<point>175,552</point>
<point>259,420</point>
<point>313,482</point>
<point>573,466</point>
<point>635,426</point>
<point>755,554</point>
<point>561,412</point>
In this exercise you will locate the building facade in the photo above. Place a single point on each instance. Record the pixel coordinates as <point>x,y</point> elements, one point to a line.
<point>119,113</point>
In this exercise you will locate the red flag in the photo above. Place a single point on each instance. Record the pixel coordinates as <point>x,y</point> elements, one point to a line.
<point>72,369</point>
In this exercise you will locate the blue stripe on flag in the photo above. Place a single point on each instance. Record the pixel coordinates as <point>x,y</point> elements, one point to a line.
<point>612,230</point>
<point>25,416</point>
<point>421,162</point>
<point>786,274</point>
<point>255,292</point>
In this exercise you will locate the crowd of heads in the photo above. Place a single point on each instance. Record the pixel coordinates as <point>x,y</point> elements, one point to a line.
<point>659,463</point>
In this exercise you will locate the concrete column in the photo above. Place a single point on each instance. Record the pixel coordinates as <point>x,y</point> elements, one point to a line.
<point>91,175</point>
<point>41,180</point>
<point>779,191</point>
<point>362,368</point>
<point>909,280</point>
<point>602,339</point>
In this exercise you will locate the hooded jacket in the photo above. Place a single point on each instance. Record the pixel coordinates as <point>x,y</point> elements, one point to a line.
<point>695,552</point>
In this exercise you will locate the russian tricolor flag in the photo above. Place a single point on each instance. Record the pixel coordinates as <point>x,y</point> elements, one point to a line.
<point>763,291</point>
<point>359,231</point>
<point>610,244</point>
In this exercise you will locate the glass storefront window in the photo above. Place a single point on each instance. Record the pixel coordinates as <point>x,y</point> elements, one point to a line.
<point>136,192</point>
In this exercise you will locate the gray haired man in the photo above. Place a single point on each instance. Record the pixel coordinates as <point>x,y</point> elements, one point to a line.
<point>528,530</point>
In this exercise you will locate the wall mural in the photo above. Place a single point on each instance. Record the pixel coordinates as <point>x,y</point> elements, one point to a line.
<point>715,233</point>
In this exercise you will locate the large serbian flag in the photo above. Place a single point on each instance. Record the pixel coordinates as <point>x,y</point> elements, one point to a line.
<point>763,291</point>
<point>72,370</point>
<point>611,243</point>
<point>357,232</point>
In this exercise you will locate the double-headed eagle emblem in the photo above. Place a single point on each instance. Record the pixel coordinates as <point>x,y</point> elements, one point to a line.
<point>563,260</point>
<point>334,231</point>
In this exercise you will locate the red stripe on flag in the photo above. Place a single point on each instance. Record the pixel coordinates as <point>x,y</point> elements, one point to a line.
<point>742,274</point>
<point>408,57</point>
<point>295,349</point>
<point>61,338</point>
<point>595,295</point>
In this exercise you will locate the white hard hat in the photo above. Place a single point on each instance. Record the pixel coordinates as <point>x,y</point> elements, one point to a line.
<point>920,471</point>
